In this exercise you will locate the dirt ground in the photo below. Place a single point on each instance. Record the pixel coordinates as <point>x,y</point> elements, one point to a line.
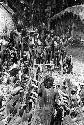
<point>78,61</point>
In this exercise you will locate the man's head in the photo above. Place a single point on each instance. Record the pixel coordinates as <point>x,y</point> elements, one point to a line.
<point>48,81</point>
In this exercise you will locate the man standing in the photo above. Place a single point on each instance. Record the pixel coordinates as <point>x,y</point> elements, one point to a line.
<point>47,97</point>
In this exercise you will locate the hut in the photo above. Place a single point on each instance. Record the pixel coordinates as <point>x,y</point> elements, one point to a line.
<point>6,22</point>
<point>69,21</point>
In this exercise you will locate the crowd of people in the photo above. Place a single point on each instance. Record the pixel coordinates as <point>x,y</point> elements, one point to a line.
<point>25,59</point>
<point>30,48</point>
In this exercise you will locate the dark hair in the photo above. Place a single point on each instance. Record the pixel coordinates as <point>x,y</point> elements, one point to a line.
<point>48,81</point>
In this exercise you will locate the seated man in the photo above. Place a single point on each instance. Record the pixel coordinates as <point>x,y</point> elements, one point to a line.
<point>67,65</point>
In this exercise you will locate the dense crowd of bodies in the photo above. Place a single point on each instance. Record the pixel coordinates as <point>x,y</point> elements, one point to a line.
<point>25,57</point>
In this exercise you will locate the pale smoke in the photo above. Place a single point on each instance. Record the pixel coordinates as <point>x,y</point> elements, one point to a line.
<point>6,23</point>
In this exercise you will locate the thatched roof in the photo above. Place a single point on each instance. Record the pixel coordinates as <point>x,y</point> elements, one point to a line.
<point>75,10</point>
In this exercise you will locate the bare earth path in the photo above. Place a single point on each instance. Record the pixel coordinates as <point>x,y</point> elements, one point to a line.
<point>78,62</point>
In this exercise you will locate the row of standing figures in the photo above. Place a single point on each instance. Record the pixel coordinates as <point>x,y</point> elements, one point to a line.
<point>50,55</point>
<point>65,65</point>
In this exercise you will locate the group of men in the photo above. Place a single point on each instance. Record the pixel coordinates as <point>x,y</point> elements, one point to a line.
<point>19,54</point>
<point>30,48</point>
